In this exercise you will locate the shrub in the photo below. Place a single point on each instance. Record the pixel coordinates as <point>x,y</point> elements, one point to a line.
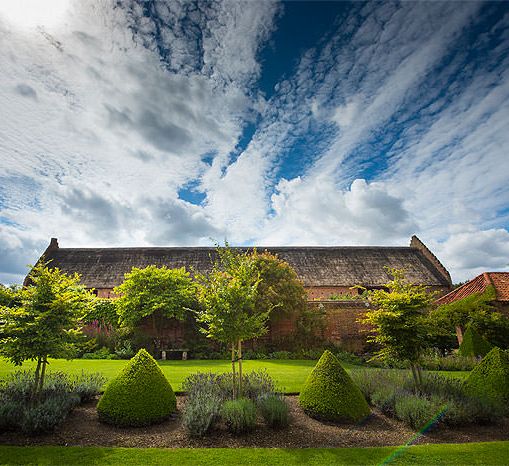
<point>139,396</point>
<point>87,386</point>
<point>239,415</point>
<point>275,411</point>
<point>124,350</point>
<point>452,362</point>
<point>330,394</point>
<point>415,410</point>
<point>489,381</point>
<point>103,353</point>
<point>48,414</point>
<point>9,412</point>
<point>474,344</point>
<point>201,413</point>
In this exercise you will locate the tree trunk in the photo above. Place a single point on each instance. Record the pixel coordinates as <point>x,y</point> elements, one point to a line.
<point>43,372</point>
<point>415,375</point>
<point>239,358</point>
<point>36,378</point>
<point>459,334</point>
<point>233,371</point>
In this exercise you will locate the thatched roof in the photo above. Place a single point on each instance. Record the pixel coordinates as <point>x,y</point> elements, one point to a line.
<point>316,266</point>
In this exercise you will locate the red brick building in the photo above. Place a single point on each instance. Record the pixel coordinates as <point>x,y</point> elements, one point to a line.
<point>324,271</point>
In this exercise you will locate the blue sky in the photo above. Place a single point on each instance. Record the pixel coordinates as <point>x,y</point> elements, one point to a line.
<point>299,123</point>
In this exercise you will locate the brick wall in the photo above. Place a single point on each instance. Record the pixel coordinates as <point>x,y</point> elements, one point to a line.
<point>324,292</point>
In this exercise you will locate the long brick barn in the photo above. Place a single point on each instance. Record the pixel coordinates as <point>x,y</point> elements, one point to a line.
<point>324,271</point>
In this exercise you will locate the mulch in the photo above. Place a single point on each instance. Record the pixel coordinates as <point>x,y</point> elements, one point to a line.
<point>82,428</point>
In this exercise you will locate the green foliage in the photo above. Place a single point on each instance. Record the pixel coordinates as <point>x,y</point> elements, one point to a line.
<point>228,296</point>
<point>399,318</point>
<point>415,410</point>
<point>139,396</point>
<point>280,290</point>
<point>10,296</point>
<point>474,344</point>
<point>442,400</point>
<point>475,310</point>
<point>201,412</point>
<point>275,411</point>
<point>154,291</point>
<point>45,321</point>
<point>101,353</point>
<point>58,396</point>
<point>330,394</point>
<point>103,311</point>
<point>489,381</point>
<point>239,415</point>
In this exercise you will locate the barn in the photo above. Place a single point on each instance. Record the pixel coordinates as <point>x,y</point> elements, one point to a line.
<point>324,271</point>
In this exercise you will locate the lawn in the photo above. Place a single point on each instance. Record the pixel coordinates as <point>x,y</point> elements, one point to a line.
<point>289,374</point>
<point>493,453</point>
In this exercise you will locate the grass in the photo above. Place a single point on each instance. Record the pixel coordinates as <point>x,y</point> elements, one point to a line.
<point>289,374</point>
<point>492,453</point>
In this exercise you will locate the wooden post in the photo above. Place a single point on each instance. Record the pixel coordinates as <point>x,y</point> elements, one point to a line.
<point>459,334</point>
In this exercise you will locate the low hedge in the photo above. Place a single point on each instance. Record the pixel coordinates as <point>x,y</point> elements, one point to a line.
<point>330,394</point>
<point>140,395</point>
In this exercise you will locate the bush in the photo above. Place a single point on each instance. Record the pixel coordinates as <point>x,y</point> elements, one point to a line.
<point>9,412</point>
<point>139,396</point>
<point>87,386</point>
<point>124,350</point>
<point>452,362</point>
<point>201,412</point>
<point>275,411</point>
<point>330,394</point>
<point>489,381</point>
<point>415,410</point>
<point>103,353</point>
<point>59,395</point>
<point>473,344</point>
<point>239,415</point>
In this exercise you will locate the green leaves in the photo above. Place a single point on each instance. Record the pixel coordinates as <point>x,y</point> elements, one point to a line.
<point>144,292</point>
<point>44,320</point>
<point>228,295</point>
<point>399,317</point>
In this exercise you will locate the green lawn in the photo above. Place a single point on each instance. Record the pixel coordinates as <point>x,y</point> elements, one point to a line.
<point>488,453</point>
<point>289,374</point>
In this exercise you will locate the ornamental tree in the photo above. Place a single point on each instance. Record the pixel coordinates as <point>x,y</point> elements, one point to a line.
<point>45,320</point>
<point>398,315</point>
<point>229,314</point>
<point>155,293</point>
<point>280,289</point>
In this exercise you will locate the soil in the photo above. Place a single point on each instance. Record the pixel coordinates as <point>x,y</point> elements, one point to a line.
<point>82,428</point>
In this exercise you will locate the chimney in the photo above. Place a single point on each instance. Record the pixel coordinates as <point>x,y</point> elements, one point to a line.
<point>53,244</point>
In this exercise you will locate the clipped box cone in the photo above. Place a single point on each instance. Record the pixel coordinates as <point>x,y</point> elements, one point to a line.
<point>489,380</point>
<point>330,394</point>
<point>473,344</point>
<point>139,396</point>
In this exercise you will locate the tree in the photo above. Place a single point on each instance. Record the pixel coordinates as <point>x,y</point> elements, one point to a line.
<point>45,321</point>
<point>280,289</point>
<point>155,292</point>
<point>228,296</point>
<point>398,316</point>
<point>477,310</point>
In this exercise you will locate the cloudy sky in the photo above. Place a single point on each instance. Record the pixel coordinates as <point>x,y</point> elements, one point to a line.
<point>171,123</point>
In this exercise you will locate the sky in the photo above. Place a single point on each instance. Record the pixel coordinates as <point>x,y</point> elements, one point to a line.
<point>264,123</point>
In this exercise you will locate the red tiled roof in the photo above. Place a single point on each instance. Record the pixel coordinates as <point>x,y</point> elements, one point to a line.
<point>499,280</point>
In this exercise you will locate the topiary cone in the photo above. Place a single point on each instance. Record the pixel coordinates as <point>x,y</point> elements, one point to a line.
<point>489,380</point>
<point>474,344</point>
<point>140,395</point>
<point>330,394</point>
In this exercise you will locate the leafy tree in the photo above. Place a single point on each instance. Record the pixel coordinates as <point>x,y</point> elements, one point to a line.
<point>280,289</point>
<point>9,295</point>
<point>398,315</point>
<point>228,296</point>
<point>155,292</point>
<point>45,321</point>
<point>476,310</point>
